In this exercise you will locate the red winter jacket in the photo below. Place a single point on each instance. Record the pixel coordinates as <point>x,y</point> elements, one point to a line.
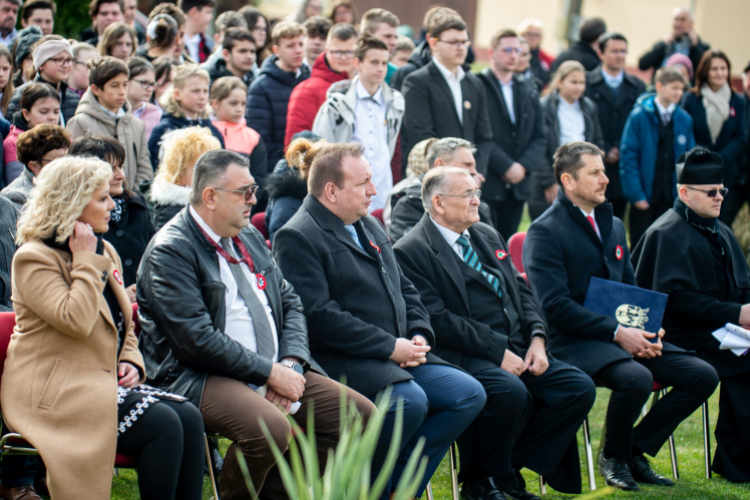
<point>309,96</point>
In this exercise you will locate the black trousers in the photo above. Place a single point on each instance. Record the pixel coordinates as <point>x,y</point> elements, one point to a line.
<point>168,439</point>
<point>640,220</point>
<point>733,202</point>
<point>732,458</point>
<point>506,216</point>
<point>692,381</point>
<point>530,421</point>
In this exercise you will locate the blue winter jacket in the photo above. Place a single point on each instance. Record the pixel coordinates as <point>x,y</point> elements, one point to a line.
<point>171,122</point>
<point>267,103</point>
<point>639,146</point>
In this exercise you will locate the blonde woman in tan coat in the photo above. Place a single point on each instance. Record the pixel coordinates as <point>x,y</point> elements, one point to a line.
<point>71,379</point>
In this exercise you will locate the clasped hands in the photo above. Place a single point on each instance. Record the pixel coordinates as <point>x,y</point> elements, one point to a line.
<point>410,353</point>
<point>635,341</point>
<point>535,362</point>
<point>284,386</point>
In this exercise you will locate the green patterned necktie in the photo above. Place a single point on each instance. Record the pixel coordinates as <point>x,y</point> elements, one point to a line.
<point>470,257</point>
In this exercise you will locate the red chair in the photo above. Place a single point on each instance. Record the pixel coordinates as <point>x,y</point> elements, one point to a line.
<point>259,222</point>
<point>515,249</point>
<point>378,214</point>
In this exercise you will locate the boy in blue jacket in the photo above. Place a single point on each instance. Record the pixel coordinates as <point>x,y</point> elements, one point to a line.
<point>657,132</point>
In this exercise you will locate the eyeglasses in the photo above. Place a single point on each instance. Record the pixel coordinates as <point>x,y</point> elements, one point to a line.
<point>510,50</point>
<point>457,44</point>
<point>145,85</point>
<point>467,195</point>
<point>249,193</point>
<point>260,28</point>
<point>62,61</point>
<point>341,53</point>
<point>711,193</point>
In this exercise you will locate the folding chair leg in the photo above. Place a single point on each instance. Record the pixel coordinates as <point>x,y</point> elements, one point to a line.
<point>672,447</point>
<point>454,471</point>
<point>589,454</point>
<point>210,465</point>
<point>706,440</point>
<point>542,485</point>
<point>429,492</point>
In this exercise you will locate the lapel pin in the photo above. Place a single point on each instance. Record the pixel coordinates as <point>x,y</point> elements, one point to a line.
<point>618,252</point>
<point>261,281</point>
<point>117,276</point>
<point>467,105</point>
<point>373,245</point>
<point>501,254</point>
<point>732,112</point>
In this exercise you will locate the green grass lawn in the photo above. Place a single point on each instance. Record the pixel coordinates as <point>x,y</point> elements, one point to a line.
<point>689,441</point>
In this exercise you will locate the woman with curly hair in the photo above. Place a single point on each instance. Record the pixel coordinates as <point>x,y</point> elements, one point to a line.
<point>72,379</point>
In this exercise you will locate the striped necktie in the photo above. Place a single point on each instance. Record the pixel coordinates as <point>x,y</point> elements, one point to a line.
<point>470,257</point>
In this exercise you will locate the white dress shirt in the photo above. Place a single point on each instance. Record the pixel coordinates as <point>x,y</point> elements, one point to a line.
<point>572,124</point>
<point>454,83</point>
<point>596,226</point>
<point>193,46</point>
<point>452,237</point>
<point>507,89</point>
<point>8,40</point>
<point>665,113</point>
<point>239,324</point>
<point>371,130</point>
<point>613,81</point>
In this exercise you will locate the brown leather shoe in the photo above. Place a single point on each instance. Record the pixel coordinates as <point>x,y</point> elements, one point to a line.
<point>25,492</point>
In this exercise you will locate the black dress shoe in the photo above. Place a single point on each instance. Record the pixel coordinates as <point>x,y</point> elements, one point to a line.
<point>513,487</point>
<point>617,473</point>
<point>484,489</point>
<point>643,473</point>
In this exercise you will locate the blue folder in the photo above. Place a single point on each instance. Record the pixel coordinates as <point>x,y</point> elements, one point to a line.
<point>629,305</point>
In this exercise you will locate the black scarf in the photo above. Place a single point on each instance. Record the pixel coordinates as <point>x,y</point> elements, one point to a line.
<point>707,227</point>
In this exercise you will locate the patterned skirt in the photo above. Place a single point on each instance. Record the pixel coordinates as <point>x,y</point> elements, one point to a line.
<point>133,402</point>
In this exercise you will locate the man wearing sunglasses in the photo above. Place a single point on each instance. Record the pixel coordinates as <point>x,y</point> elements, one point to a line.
<point>488,322</point>
<point>222,327</point>
<point>519,135</point>
<point>695,258</point>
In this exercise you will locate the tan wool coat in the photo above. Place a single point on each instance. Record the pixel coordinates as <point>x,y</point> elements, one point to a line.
<point>128,130</point>
<point>59,385</point>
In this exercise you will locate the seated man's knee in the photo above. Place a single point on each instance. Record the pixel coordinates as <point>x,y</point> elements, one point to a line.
<point>279,432</point>
<point>637,382</point>
<point>705,379</point>
<point>586,394</point>
<point>415,402</point>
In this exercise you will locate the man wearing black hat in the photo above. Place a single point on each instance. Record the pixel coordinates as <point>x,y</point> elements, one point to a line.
<point>708,287</point>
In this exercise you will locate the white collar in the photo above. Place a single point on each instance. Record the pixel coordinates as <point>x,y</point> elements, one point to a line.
<point>662,110</point>
<point>450,236</point>
<point>613,80</point>
<point>203,224</point>
<point>120,112</point>
<point>576,105</point>
<point>194,39</point>
<point>584,212</point>
<point>362,93</point>
<point>460,74</point>
<point>509,84</point>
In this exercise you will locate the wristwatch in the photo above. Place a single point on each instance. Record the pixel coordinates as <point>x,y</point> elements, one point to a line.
<point>291,364</point>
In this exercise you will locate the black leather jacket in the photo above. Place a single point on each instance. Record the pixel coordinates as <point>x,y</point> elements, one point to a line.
<point>181,301</point>
<point>8,218</point>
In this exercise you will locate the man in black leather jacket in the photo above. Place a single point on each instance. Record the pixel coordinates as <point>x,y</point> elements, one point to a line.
<point>204,284</point>
<point>8,218</point>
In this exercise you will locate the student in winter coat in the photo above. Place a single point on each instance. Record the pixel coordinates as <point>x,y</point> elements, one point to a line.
<point>130,227</point>
<point>656,134</point>
<point>570,117</point>
<point>53,59</point>
<point>185,105</point>
<point>268,98</point>
<point>228,100</point>
<point>170,190</point>
<point>238,56</point>
<point>140,89</point>
<point>719,122</point>
<point>39,104</point>
<point>105,110</point>
<point>332,66</point>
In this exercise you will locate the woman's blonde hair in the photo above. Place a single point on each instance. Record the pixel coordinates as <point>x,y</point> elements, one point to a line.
<point>563,72</point>
<point>301,153</point>
<point>61,192</point>
<point>180,75</point>
<point>416,164</point>
<point>182,148</point>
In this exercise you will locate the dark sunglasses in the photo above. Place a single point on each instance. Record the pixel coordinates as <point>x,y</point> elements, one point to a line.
<point>248,193</point>
<point>711,193</point>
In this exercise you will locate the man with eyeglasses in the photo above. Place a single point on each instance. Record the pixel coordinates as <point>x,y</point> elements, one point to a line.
<point>615,93</point>
<point>334,65</point>
<point>234,339</point>
<point>444,100</point>
<point>691,255</point>
<point>518,132</point>
<point>575,240</point>
<point>488,322</point>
